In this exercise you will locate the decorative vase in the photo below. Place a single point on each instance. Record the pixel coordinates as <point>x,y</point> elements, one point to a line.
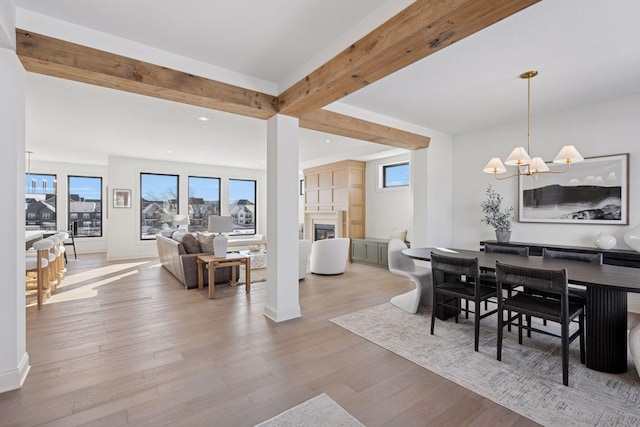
<point>632,238</point>
<point>503,236</point>
<point>604,241</point>
<point>220,246</point>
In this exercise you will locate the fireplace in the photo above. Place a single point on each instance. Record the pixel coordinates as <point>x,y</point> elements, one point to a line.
<point>324,231</point>
<point>316,223</point>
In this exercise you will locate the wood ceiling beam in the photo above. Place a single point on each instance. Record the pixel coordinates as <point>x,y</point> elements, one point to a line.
<point>423,28</point>
<point>58,58</point>
<point>339,124</point>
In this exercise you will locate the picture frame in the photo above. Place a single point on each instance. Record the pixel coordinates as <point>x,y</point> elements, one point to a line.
<point>121,198</point>
<point>594,191</point>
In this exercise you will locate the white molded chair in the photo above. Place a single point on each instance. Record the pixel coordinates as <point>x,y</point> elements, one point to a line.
<point>634,345</point>
<point>303,257</point>
<point>421,276</point>
<point>329,256</point>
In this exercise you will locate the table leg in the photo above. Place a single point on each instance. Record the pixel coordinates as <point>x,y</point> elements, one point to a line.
<point>234,277</point>
<point>212,280</point>
<point>247,274</point>
<point>606,330</point>
<point>200,278</point>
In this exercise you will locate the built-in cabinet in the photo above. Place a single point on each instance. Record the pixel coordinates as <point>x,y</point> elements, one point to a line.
<point>338,186</point>
<point>370,251</point>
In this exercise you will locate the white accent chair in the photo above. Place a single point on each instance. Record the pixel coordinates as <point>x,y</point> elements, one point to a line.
<point>329,256</point>
<point>421,276</point>
<point>634,345</point>
<point>303,257</point>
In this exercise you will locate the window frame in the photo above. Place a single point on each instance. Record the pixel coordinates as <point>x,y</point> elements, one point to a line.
<point>54,187</point>
<point>383,175</point>
<point>99,218</point>
<point>142,207</point>
<point>255,205</point>
<point>205,221</point>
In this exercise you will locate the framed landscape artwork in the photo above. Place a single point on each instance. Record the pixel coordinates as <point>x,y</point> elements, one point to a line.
<point>121,198</point>
<point>595,191</point>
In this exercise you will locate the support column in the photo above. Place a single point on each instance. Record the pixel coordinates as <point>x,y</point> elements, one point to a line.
<point>14,360</point>
<point>282,219</point>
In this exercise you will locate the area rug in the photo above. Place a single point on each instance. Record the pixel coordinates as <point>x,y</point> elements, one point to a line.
<point>257,275</point>
<point>321,411</point>
<point>528,380</point>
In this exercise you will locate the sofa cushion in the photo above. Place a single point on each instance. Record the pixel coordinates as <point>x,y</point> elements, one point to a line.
<point>191,244</point>
<point>206,242</point>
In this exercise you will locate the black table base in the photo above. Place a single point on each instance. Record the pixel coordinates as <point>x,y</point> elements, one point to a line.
<point>606,330</point>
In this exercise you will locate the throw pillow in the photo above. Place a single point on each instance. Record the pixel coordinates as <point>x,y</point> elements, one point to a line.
<point>191,244</point>
<point>398,233</point>
<point>177,235</point>
<point>167,232</point>
<point>206,242</point>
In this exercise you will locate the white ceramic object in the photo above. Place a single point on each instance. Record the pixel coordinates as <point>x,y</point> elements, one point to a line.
<point>632,238</point>
<point>604,241</point>
<point>220,246</point>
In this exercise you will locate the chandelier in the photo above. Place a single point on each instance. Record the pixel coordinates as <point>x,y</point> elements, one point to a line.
<point>521,158</point>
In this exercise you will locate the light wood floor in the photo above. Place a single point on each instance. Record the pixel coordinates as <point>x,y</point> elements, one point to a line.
<point>125,344</point>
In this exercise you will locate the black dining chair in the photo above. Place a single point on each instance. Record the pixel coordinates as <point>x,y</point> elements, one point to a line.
<point>488,278</point>
<point>455,279</point>
<point>577,293</point>
<point>529,303</point>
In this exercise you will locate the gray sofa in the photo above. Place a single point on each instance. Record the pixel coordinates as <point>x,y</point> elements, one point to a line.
<point>180,258</point>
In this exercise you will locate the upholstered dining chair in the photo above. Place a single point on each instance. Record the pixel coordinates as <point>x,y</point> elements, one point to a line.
<point>530,303</point>
<point>455,279</point>
<point>421,277</point>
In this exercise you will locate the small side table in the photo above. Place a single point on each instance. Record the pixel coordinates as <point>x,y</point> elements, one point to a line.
<point>231,260</point>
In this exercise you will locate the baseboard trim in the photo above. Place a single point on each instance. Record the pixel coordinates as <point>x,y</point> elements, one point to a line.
<point>13,379</point>
<point>289,313</point>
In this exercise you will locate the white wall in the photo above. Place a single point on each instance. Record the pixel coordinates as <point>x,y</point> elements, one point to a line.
<point>606,128</point>
<point>386,208</point>
<point>123,238</point>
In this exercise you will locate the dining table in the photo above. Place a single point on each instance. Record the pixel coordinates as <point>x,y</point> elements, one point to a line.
<point>606,301</point>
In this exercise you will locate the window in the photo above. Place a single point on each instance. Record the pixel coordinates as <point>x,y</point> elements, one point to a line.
<point>204,200</point>
<point>41,200</point>
<point>158,203</point>
<point>85,201</point>
<point>242,205</point>
<point>396,175</point>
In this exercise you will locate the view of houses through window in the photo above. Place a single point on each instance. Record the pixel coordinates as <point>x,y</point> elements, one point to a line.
<point>242,205</point>
<point>85,206</point>
<point>204,200</point>
<point>40,201</point>
<point>158,203</point>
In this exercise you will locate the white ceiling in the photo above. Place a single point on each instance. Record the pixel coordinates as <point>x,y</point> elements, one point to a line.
<point>586,52</point>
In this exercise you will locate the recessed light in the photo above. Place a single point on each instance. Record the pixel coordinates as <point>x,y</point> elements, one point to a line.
<point>169,151</point>
<point>328,141</point>
<point>203,119</point>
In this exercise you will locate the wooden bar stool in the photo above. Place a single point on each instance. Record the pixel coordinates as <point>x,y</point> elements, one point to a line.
<point>38,264</point>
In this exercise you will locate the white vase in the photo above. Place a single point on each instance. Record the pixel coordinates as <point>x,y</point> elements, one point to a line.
<point>632,238</point>
<point>220,246</point>
<point>604,241</point>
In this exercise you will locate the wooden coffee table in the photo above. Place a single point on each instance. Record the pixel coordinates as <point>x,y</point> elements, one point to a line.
<point>231,260</point>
